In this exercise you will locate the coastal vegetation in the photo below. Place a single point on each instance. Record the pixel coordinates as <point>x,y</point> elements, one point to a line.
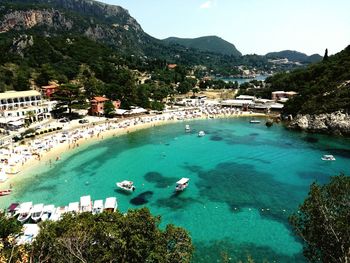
<point>322,221</point>
<point>107,237</point>
<point>323,87</point>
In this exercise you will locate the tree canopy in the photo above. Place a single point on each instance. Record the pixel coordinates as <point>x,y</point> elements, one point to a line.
<point>111,237</point>
<point>323,221</point>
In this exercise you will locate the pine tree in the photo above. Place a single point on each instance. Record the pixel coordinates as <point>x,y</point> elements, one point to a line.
<point>325,57</point>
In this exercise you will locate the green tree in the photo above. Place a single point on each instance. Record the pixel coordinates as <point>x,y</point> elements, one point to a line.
<point>9,229</point>
<point>184,87</point>
<point>108,108</point>
<point>71,95</point>
<point>111,237</point>
<point>323,221</point>
<point>325,57</point>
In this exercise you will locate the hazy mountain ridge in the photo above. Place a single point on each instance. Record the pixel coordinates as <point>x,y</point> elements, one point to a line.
<point>213,44</point>
<point>294,56</point>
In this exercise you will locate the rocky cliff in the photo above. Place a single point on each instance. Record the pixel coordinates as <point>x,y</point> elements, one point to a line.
<point>109,24</point>
<point>337,123</point>
<point>22,20</point>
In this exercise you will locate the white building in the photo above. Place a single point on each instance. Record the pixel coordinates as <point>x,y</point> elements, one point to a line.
<point>16,106</point>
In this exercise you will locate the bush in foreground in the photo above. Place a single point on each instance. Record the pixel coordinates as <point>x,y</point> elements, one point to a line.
<point>323,222</point>
<point>111,237</point>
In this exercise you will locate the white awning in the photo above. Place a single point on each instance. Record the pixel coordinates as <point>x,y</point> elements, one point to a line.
<point>49,208</point>
<point>98,203</point>
<point>183,181</point>
<point>25,207</point>
<point>85,200</point>
<point>73,207</point>
<point>111,202</point>
<point>37,208</point>
<point>120,111</point>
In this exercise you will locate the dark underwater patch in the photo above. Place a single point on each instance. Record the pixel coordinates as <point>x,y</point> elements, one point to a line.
<point>241,185</point>
<point>340,152</point>
<point>176,202</point>
<point>216,138</point>
<point>311,139</point>
<point>254,134</point>
<point>142,198</point>
<point>227,251</point>
<point>159,180</point>
<point>315,176</point>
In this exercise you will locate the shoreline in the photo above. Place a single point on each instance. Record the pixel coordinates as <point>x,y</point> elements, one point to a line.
<point>111,129</point>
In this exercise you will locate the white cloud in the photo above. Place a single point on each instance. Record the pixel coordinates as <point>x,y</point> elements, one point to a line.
<point>206,5</point>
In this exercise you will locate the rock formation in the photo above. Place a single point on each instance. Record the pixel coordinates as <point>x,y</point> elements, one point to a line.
<point>337,123</point>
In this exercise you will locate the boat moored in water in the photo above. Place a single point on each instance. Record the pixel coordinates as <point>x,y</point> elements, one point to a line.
<point>24,211</point>
<point>98,207</point>
<point>201,134</point>
<point>328,157</point>
<point>12,210</point>
<point>73,207</point>
<point>181,184</point>
<point>48,212</point>
<point>111,204</point>
<point>85,204</point>
<point>37,212</point>
<point>5,192</point>
<point>126,185</point>
<point>254,121</point>
<point>187,128</point>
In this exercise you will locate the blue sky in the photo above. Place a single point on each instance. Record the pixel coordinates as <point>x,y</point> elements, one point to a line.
<point>253,26</point>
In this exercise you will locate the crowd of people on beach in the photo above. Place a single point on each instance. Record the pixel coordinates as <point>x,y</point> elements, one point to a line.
<point>15,156</point>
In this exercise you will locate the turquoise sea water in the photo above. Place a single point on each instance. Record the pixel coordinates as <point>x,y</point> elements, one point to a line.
<point>245,181</point>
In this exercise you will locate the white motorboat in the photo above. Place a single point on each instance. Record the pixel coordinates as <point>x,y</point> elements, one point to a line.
<point>3,176</point>
<point>254,121</point>
<point>85,204</point>
<point>111,204</point>
<point>201,134</point>
<point>48,212</point>
<point>37,212</point>
<point>73,207</point>
<point>328,157</point>
<point>126,185</point>
<point>58,213</point>
<point>12,210</point>
<point>181,184</point>
<point>98,207</point>
<point>187,128</point>
<point>24,211</point>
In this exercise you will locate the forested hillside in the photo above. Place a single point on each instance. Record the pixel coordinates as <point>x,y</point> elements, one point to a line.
<point>323,87</point>
<point>209,43</point>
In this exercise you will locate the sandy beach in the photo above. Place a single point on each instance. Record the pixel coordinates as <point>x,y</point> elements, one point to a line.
<point>107,129</point>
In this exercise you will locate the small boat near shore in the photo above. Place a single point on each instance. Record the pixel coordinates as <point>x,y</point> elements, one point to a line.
<point>98,207</point>
<point>328,157</point>
<point>48,211</point>
<point>24,211</point>
<point>187,128</point>
<point>201,134</point>
<point>85,204</point>
<point>111,204</point>
<point>12,210</point>
<point>5,192</point>
<point>37,212</point>
<point>254,121</point>
<point>126,185</point>
<point>181,184</point>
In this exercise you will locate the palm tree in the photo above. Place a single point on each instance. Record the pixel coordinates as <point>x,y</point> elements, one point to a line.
<point>29,117</point>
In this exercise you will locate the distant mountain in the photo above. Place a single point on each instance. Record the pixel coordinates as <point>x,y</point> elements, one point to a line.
<point>294,56</point>
<point>208,43</point>
<point>323,87</point>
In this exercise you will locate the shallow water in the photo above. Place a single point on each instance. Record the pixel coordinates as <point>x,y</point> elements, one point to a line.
<point>245,181</point>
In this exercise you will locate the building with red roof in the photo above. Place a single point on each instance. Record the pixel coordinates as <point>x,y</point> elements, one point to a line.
<point>97,105</point>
